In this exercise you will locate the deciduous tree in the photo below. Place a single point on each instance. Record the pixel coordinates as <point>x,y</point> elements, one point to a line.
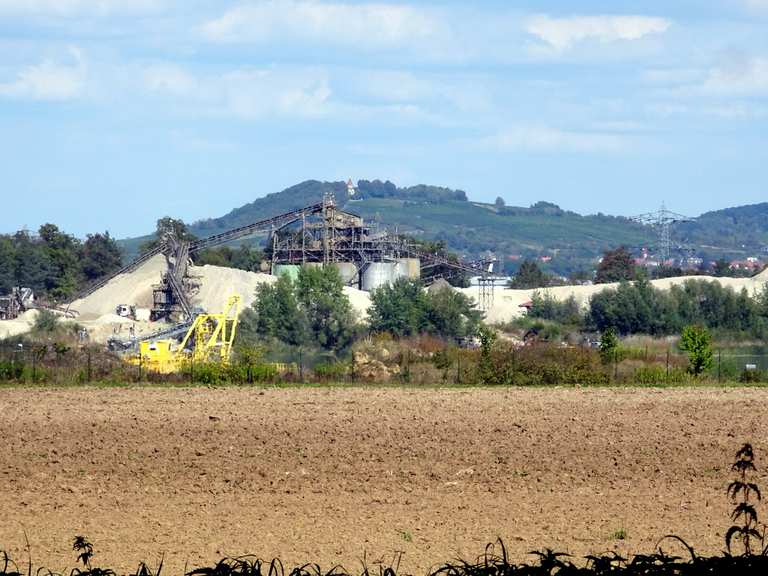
<point>320,293</point>
<point>529,275</point>
<point>616,265</point>
<point>697,342</point>
<point>100,256</point>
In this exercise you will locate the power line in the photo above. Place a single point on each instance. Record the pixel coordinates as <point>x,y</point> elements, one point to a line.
<point>662,221</point>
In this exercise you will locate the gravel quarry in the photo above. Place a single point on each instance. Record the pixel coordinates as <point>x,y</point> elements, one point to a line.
<point>96,312</point>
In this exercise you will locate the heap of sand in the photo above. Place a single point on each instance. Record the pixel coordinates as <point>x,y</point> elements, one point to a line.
<point>133,288</point>
<point>506,302</point>
<point>20,325</point>
<point>216,284</point>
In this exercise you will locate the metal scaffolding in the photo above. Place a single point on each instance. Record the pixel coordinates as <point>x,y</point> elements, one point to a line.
<point>320,233</point>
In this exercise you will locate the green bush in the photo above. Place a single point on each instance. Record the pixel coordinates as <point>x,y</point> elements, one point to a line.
<point>208,373</point>
<point>651,374</point>
<point>697,342</point>
<point>260,373</point>
<point>332,371</point>
<point>11,370</point>
<point>541,364</point>
<point>753,376</point>
<point>547,307</point>
<point>46,322</point>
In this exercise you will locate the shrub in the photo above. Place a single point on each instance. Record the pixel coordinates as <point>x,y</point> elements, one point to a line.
<point>752,376</point>
<point>609,346</point>
<point>11,370</point>
<point>652,374</point>
<point>332,371</point>
<point>46,322</point>
<point>547,307</point>
<point>698,343</point>
<point>541,364</point>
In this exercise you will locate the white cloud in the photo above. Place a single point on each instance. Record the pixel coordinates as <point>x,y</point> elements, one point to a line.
<point>738,75</point>
<point>259,93</point>
<point>77,7</point>
<point>246,93</point>
<point>562,33</point>
<point>355,25</point>
<point>465,93</point>
<point>48,80</point>
<point>548,139</point>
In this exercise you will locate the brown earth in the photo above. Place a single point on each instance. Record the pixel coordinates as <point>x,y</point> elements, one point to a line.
<point>331,475</point>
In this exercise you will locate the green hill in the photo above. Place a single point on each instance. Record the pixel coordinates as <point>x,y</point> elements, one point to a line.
<point>572,240</point>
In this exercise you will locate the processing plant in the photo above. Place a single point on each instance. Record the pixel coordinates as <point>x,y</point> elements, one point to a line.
<point>317,235</point>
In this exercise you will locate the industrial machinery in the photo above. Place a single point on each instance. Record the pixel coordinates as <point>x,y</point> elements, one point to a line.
<point>18,301</point>
<point>208,338</point>
<point>126,311</point>
<point>22,299</point>
<point>318,234</point>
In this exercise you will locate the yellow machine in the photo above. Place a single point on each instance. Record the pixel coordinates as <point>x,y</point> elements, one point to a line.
<point>209,339</point>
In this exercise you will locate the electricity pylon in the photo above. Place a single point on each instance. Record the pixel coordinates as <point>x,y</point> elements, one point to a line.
<point>662,221</point>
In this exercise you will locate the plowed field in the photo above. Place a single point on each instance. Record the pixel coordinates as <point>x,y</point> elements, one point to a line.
<point>331,475</point>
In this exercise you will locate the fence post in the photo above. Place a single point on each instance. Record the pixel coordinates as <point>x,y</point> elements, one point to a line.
<point>141,362</point>
<point>407,369</point>
<point>301,364</point>
<point>719,361</point>
<point>89,366</point>
<point>667,365</point>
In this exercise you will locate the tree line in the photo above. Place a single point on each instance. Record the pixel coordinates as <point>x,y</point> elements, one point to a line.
<point>55,264</point>
<point>640,308</point>
<point>313,311</point>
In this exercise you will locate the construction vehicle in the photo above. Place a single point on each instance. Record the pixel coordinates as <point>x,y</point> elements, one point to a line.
<point>209,338</point>
<point>132,312</point>
<point>126,311</point>
<point>17,302</point>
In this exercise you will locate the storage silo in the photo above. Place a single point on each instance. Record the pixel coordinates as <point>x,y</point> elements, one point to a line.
<point>378,274</point>
<point>409,268</point>
<point>350,276</point>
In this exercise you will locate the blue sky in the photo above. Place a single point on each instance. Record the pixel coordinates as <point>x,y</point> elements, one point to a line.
<point>116,112</point>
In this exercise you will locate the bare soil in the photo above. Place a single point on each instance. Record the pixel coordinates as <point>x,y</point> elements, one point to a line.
<point>333,475</point>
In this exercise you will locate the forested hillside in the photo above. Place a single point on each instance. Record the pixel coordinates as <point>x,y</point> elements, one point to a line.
<point>436,213</point>
<point>739,230</point>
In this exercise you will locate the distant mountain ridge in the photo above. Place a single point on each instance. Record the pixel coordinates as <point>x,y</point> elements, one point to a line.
<point>567,241</point>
